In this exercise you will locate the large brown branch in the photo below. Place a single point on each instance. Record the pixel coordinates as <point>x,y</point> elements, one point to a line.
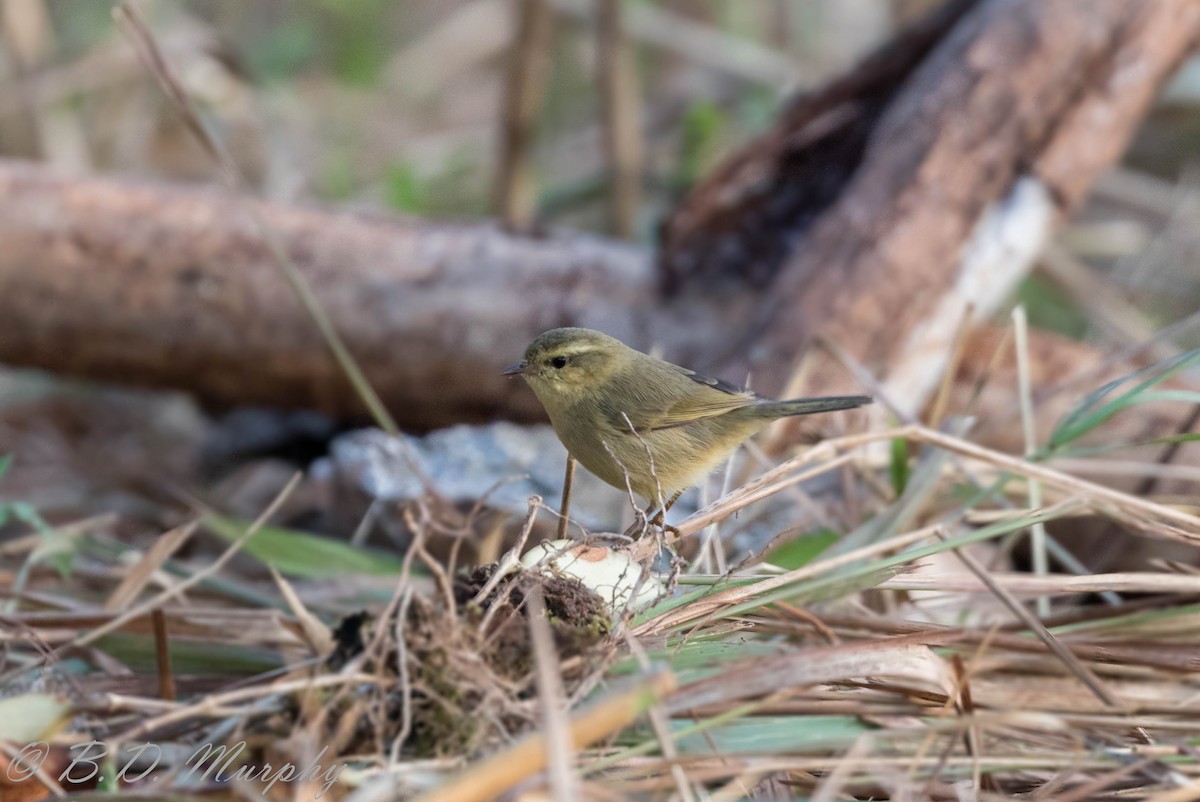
<point>899,194</point>
<point>985,136</point>
<point>172,286</point>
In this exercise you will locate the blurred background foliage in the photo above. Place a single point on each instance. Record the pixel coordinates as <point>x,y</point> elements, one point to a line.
<point>399,105</point>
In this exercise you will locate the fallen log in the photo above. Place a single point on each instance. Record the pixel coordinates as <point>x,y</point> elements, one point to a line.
<point>951,184</point>
<point>172,286</point>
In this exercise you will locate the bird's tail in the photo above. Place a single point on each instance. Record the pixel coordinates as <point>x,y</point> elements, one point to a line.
<point>809,406</point>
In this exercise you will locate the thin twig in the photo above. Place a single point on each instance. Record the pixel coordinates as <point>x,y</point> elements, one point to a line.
<point>140,574</point>
<point>1041,564</point>
<point>941,399</point>
<point>130,21</point>
<point>511,560</point>
<point>564,782</point>
<point>499,772</point>
<point>661,723</point>
<point>162,598</point>
<point>1070,661</point>
<point>162,653</point>
<point>220,703</point>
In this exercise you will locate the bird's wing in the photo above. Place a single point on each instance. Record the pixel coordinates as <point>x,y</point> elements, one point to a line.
<point>720,384</point>
<point>713,397</point>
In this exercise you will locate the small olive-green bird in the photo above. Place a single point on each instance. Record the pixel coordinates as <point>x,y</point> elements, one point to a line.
<point>624,413</point>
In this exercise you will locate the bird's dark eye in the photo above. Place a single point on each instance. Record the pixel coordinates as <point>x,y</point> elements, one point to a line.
<point>558,362</point>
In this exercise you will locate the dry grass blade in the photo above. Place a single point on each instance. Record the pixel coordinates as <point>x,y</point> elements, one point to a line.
<point>511,560</point>
<point>662,728</point>
<point>708,605</point>
<point>508,767</point>
<point>127,16</point>
<point>1041,563</point>
<point>703,44</point>
<point>1065,482</point>
<point>561,758</point>
<point>1102,301</point>
<point>1087,677</point>
<point>937,410</point>
<point>219,625</point>
<point>905,662</point>
<point>140,574</point>
<point>1189,793</point>
<point>162,649</point>
<point>1089,790</point>
<point>1052,584</point>
<point>315,633</point>
<point>224,704</point>
<point>854,759</point>
<point>160,599</point>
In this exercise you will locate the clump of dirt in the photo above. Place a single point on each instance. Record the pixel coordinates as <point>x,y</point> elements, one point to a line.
<point>468,682</point>
<point>577,615</point>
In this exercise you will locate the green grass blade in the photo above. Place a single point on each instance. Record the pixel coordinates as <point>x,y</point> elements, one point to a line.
<point>1108,449</point>
<point>301,554</point>
<point>920,489</point>
<point>802,550</point>
<point>140,653</point>
<point>770,735</point>
<point>852,578</point>
<point>1090,413</point>
<point>898,465</point>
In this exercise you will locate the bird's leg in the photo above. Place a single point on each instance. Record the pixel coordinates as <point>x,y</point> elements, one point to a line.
<point>564,509</point>
<point>660,518</point>
<point>657,520</point>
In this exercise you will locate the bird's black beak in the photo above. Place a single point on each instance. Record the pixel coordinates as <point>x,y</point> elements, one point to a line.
<point>519,369</point>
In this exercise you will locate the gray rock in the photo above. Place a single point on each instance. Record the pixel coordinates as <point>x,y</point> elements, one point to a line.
<point>502,461</point>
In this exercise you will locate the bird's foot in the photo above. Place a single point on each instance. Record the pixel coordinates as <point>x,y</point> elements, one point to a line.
<point>641,528</point>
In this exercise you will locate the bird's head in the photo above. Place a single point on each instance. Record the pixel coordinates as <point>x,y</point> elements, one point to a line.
<point>565,365</point>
